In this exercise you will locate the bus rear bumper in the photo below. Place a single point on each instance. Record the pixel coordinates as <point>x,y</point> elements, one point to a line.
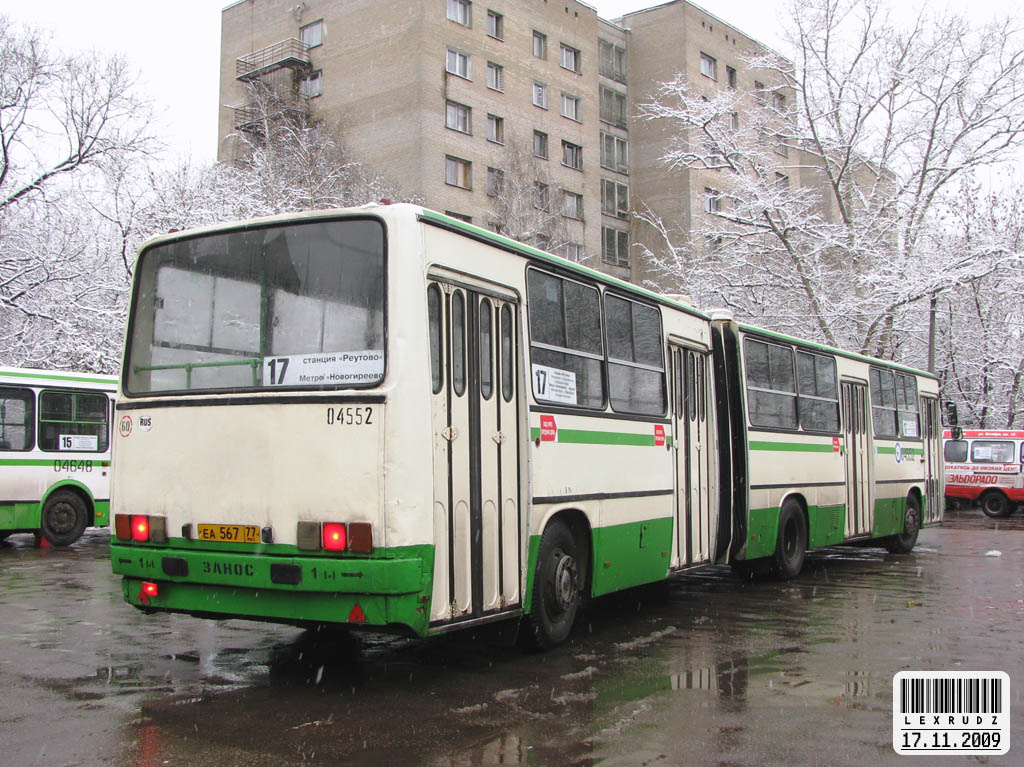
<point>375,592</point>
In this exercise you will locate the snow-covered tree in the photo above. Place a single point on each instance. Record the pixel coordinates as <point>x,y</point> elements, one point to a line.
<point>830,180</point>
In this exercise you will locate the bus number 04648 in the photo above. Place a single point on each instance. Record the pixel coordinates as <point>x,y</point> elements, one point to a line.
<point>350,416</point>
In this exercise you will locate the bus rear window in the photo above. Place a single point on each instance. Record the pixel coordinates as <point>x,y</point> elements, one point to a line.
<point>290,306</point>
<point>955,451</point>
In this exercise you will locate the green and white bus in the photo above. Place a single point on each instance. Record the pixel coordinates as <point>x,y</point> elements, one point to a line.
<point>54,453</point>
<point>385,417</point>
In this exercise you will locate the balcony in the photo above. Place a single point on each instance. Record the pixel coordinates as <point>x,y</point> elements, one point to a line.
<point>287,54</point>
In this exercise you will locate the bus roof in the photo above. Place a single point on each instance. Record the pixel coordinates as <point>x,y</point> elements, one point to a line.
<point>985,434</point>
<point>56,377</point>
<point>832,350</point>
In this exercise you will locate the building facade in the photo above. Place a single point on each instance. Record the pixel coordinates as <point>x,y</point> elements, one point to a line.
<point>445,96</point>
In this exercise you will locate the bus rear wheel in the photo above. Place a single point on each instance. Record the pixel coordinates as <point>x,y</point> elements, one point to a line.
<point>791,542</point>
<point>64,518</point>
<point>556,590</point>
<point>903,543</point>
<point>996,505</point>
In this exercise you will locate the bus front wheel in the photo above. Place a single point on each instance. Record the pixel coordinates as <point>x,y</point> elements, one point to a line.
<point>556,590</point>
<point>996,505</point>
<point>903,543</point>
<point>791,542</point>
<point>64,518</point>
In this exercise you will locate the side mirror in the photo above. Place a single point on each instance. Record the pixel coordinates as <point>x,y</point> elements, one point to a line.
<point>951,415</point>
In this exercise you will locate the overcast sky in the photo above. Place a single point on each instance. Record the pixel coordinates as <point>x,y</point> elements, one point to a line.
<point>174,44</point>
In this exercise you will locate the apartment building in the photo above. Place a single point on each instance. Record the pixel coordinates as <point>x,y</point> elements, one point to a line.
<point>442,96</point>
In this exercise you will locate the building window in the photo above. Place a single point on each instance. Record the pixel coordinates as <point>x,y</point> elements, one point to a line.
<point>572,155</point>
<point>495,76</point>
<point>457,117</point>
<point>614,198</point>
<point>779,101</point>
<point>730,77</point>
<point>457,63</point>
<point>540,144</point>
<point>782,181</point>
<point>540,95</point>
<point>759,92</point>
<point>615,248</point>
<point>734,121</point>
<point>613,107</point>
<point>614,155</point>
<point>708,66</point>
<point>570,107</point>
<point>310,85</point>
<point>312,35</point>
<point>459,11</point>
<point>458,172</point>
<point>781,148</point>
<point>540,45</point>
<point>570,58</point>
<point>541,197</point>
<point>495,25</point>
<point>572,205</point>
<point>496,129</point>
<point>495,182</point>
<point>574,251</point>
<point>612,61</point>
<point>712,200</point>
<point>459,216</point>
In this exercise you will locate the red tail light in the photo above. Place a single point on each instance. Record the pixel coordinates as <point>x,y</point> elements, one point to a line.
<point>335,536</point>
<point>140,527</point>
<point>123,527</point>
<point>150,589</point>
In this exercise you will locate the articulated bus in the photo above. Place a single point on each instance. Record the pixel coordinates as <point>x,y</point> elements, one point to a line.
<point>985,467</point>
<point>54,453</point>
<point>385,417</point>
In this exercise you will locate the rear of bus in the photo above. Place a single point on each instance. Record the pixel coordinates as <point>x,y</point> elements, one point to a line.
<point>250,462</point>
<point>985,467</point>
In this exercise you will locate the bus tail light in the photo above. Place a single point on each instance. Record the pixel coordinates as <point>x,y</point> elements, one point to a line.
<point>140,528</point>
<point>360,537</point>
<point>148,590</point>
<point>335,536</point>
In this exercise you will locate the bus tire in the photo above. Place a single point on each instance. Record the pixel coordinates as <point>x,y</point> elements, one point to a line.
<point>791,541</point>
<point>64,518</point>
<point>903,543</point>
<point>996,505</point>
<point>556,590</point>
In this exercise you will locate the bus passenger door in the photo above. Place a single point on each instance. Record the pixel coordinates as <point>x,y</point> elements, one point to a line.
<point>933,473</point>
<point>859,503</point>
<point>476,466</point>
<point>691,416</point>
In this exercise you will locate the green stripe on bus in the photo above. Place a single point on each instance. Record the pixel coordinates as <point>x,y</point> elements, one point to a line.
<point>111,381</point>
<point>793,447</point>
<point>47,461</point>
<point>906,451</point>
<point>587,437</point>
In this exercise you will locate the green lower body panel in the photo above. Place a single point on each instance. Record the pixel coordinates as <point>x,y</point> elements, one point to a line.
<point>381,591</point>
<point>19,516</point>
<point>890,514</point>
<point>631,555</point>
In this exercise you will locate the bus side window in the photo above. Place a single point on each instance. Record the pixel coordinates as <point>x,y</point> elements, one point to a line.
<point>486,346</point>
<point>434,325</point>
<point>955,451</point>
<point>458,343</point>
<point>507,358</point>
<point>17,419</point>
<point>771,385</point>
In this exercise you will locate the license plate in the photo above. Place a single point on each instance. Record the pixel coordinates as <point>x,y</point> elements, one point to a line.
<point>231,533</point>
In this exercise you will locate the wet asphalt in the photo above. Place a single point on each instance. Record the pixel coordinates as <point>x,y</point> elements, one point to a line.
<point>706,669</point>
